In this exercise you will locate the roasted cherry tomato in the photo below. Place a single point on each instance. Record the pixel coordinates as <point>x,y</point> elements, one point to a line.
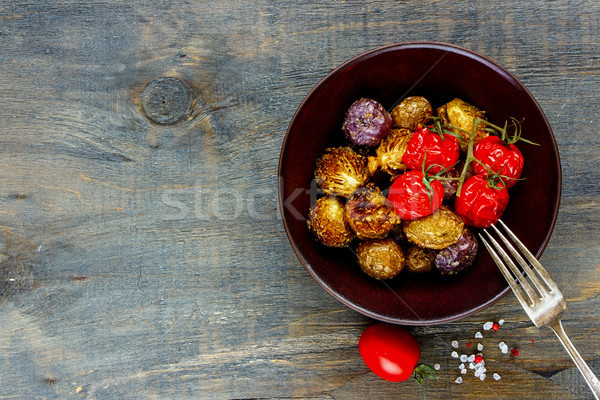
<point>411,197</point>
<point>439,153</point>
<point>499,157</point>
<point>481,203</point>
<point>389,351</point>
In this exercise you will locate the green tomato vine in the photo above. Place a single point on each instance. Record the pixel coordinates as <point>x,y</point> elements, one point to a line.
<point>495,180</point>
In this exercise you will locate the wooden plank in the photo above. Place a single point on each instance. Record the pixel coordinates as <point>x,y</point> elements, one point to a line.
<point>150,261</point>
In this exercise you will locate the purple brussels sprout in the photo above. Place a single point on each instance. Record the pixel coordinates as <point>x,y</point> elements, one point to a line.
<point>367,122</point>
<point>450,186</point>
<point>458,256</point>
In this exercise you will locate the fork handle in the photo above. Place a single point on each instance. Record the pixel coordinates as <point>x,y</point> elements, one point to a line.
<point>580,363</point>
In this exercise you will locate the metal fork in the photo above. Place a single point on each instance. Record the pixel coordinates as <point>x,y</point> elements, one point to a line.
<point>540,297</point>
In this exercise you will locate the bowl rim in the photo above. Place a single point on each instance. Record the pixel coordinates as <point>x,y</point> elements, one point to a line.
<point>370,53</point>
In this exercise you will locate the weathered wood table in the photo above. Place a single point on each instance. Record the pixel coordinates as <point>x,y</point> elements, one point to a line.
<point>142,253</point>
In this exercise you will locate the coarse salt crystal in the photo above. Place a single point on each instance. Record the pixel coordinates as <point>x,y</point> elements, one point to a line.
<point>478,335</point>
<point>501,322</point>
<point>496,376</point>
<point>479,346</point>
<point>436,367</point>
<point>455,344</point>
<point>463,358</point>
<point>454,354</point>
<point>461,366</point>
<point>471,366</point>
<point>487,326</point>
<point>463,371</point>
<point>501,344</point>
<point>471,358</point>
<point>459,379</point>
<point>482,376</point>
<point>477,373</point>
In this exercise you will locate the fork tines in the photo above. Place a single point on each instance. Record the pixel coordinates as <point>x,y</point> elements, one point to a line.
<point>529,294</point>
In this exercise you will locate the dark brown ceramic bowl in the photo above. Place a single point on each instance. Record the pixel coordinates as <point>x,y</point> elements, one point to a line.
<point>439,72</point>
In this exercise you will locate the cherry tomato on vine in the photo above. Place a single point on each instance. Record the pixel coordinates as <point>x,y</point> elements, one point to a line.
<point>482,201</point>
<point>411,197</point>
<point>389,351</point>
<point>438,153</point>
<point>499,157</point>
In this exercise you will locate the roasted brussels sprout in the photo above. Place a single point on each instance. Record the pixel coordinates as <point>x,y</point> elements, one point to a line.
<point>461,114</point>
<point>340,171</point>
<point>458,256</point>
<point>450,186</point>
<point>381,259</point>
<point>411,112</point>
<point>419,260</point>
<point>367,122</point>
<point>435,231</point>
<point>327,221</point>
<point>390,151</point>
<point>370,214</point>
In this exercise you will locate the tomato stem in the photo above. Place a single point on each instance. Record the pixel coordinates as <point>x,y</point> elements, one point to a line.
<point>501,132</point>
<point>470,158</point>
<point>423,372</point>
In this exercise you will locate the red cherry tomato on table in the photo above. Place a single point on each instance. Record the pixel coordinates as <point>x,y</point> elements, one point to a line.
<point>499,157</point>
<point>412,199</point>
<point>481,204</point>
<point>439,153</point>
<point>389,351</point>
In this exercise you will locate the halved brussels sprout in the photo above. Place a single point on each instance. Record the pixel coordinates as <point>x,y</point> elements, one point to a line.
<point>390,151</point>
<point>340,171</point>
<point>435,231</point>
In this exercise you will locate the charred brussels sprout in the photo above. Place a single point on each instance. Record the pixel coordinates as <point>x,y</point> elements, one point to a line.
<point>390,151</point>
<point>380,259</point>
<point>370,214</point>
<point>419,260</point>
<point>435,231</point>
<point>412,112</point>
<point>461,114</point>
<point>458,256</point>
<point>340,171</point>
<point>327,221</point>
<point>366,122</point>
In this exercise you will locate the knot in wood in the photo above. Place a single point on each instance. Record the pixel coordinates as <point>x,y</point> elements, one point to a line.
<point>166,100</point>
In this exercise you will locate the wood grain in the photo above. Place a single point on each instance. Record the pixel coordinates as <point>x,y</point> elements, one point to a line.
<point>147,261</point>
